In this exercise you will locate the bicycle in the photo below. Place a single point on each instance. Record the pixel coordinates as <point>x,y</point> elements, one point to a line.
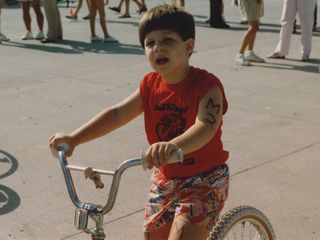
<point>243,222</point>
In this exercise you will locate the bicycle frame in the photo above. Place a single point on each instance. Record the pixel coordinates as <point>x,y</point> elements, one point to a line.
<point>95,212</point>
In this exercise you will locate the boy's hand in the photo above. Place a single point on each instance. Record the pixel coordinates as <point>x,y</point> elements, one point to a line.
<point>159,153</point>
<point>62,138</point>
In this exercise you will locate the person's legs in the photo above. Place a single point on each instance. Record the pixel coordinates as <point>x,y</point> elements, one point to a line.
<point>47,4</point>
<point>26,15</point>
<point>2,36</point>
<point>93,12</point>
<point>102,16</point>
<point>160,234</point>
<point>88,15</point>
<point>127,9</point>
<point>181,229</point>
<point>216,18</point>
<point>305,10</point>
<point>254,26</point>
<point>54,21</point>
<point>58,21</point>
<point>79,6</point>
<point>37,10</point>
<point>287,20</point>
<point>248,43</point>
<point>249,36</point>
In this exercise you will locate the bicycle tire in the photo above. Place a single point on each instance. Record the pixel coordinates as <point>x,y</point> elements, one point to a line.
<point>242,217</point>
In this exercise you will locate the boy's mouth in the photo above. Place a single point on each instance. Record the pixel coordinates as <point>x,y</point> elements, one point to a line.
<point>162,60</point>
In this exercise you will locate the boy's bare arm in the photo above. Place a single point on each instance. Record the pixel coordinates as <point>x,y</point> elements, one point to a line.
<point>103,123</point>
<point>206,125</point>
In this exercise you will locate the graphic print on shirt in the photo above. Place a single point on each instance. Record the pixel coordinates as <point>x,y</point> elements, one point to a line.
<point>172,123</point>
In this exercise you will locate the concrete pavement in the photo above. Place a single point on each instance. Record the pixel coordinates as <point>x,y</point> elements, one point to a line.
<point>272,128</point>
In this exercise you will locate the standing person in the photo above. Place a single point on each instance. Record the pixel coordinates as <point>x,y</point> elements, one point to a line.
<point>183,108</point>
<point>25,5</point>
<point>54,33</point>
<point>216,19</point>
<point>74,16</point>
<point>3,38</point>
<point>98,6</point>
<point>289,11</point>
<point>250,10</point>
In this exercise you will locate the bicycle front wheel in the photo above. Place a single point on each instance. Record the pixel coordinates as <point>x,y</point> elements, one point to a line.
<point>245,223</point>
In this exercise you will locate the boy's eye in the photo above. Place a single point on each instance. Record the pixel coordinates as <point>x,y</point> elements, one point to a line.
<point>168,40</point>
<point>149,44</point>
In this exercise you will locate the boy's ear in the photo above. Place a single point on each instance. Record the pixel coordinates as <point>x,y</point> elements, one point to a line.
<point>190,45</point>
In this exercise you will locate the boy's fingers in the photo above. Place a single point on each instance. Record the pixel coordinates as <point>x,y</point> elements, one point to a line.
<point>154,157</point>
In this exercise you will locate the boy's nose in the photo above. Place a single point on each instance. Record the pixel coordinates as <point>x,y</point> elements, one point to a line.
<point>158,46</point>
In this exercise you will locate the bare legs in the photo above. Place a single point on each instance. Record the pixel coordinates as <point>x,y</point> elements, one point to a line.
<point>249,37</point>
<point>27,18</point>
<point>247,43</point>
<point>179,229</point>
<point>97,6</point>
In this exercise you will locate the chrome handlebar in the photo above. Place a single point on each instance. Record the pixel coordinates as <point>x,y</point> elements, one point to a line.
<point>114,186</point>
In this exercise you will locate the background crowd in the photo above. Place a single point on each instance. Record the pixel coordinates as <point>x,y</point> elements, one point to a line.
<point>250,11</point>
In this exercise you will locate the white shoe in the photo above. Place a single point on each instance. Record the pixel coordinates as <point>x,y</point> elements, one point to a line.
<point>240,60</point>
<point>250,56</point>
<point>110,40</point>
<point>96,39</point>
<point>27,36</point>
<point>3,38</point>
<point>40,36</point>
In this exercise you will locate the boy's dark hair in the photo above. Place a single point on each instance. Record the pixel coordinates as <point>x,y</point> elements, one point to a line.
<point>167,17</point>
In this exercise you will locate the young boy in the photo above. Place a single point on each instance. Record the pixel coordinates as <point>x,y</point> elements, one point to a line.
<point>183,108</point>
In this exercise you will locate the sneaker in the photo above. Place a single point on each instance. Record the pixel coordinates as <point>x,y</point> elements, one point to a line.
<point>96,39</point>
<point>110,40</point>
<point>240,60</point>
<point>250,56</point>
<point>3,38</point>
<point>27,36</point>
<point>276,55</point>
<point>72,17</point>
<point>40,36</point>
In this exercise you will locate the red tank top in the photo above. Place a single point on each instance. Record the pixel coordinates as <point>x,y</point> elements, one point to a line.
<point>170,109</point>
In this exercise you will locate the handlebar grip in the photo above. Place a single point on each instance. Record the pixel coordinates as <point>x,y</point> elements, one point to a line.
<point>61,147</point>
<point>176,156</point>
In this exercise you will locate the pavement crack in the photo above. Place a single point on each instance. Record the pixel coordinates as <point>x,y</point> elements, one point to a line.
<point>276,159</point>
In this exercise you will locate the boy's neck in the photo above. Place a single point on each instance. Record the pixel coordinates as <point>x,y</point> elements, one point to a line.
<point>177,76</point>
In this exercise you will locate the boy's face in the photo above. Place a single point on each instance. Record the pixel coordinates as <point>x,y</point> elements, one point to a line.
<point>167,52</point>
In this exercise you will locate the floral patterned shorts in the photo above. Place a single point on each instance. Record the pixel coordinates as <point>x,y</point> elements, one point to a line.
<point>196,199</point>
